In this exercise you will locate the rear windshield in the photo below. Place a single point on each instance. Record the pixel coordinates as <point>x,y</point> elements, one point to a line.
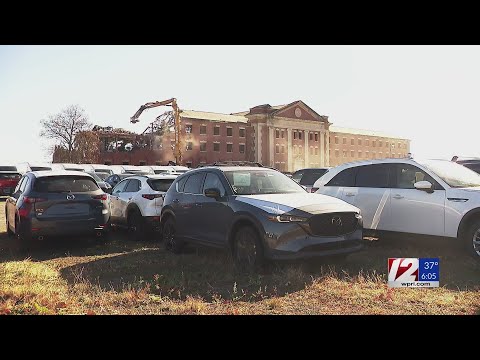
<point>40,168</point>
<point>57,184</point>
<point>10,176</point>
<point>311,176</point>
<point>160,184</point>
<point>8,168</point>
<point>161,172</point>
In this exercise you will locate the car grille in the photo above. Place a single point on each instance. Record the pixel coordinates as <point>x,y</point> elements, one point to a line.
<point>333,224</point>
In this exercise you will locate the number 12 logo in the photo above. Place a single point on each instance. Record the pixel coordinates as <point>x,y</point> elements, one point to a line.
<point>403,269</point>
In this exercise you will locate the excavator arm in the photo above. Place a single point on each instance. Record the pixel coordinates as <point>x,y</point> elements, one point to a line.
<point>176,113</point>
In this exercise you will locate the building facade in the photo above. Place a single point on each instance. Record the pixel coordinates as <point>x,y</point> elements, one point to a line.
<point>287,137</point>
<point>348,145</point>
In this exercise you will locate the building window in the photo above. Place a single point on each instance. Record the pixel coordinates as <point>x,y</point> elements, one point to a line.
<point>316,136</point>
<point>367,142</point>
<point>379,143</point>
<point>336,140</point>
<point>229,131</point>
<point>299,135</point>
<point>344,153</point>
<point>380,155</point>
<point>203,146</point>
<point>283,149</point>
<point>283,134</point>
<point>277,149</point>
<point>216,147</point>
<point>172,144</point>
<point>393,146</point>
<point>359,154</point>
<point>344,141</point>
<point>294,134</point>
<point>241,132</point>
<point>359,141</point>
<point>142,163</point>
<point>352,141</point>
<point>189,145</point>
<point>399,145</point>
<point>241,148</point>
<point>316,150</point>
<point>374,143</point>
<point>189,164</point>
<point>188,128</point>
<point>374,155</point>
<point>229,147</point>
<point>310,136</point>
<point>277,134</point>
<point>277,165</point>
<point>337,153</point>
<point>216,130</point>
<point>294,149</point>
<point>311,150</point>
<point>203,129</point>
<point>386,144</point>
<point>352,153</point>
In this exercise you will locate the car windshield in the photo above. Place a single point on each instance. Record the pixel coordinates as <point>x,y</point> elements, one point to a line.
<point>40,168</point>
<point>252,182</point>
<point>455,175</point>
<point>95,176</point>
<point>102,175</point>
<point>60,184</point>
<point>160,184</point>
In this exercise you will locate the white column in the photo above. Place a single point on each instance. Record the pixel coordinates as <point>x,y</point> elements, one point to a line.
<point>307,150</point>
<point>290,150</point>
<point>327,147</point>
<point>322,147</point>
<point>257,142</point>
<point>271,155</point>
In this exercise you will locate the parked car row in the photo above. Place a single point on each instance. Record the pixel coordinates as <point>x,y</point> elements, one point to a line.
<point>258,213</point>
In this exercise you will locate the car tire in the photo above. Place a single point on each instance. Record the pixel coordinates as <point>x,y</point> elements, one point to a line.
<point>247,250</point>
<point>10,233</point>
<point>136,226</point>
<point>171,242</point>
<point>471,240</point>
<point>24,242</point>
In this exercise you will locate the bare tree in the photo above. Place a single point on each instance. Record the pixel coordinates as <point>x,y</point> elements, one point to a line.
<point>64,126</point>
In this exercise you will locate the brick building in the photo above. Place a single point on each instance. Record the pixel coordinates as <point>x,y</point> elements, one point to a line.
<point>356,144</point>
<point>287,137</point>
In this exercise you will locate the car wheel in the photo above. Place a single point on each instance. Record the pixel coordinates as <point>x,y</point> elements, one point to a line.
<point>170,239</point>
<point>247,250</point>
<point>472,240</point>
<point>136,227</point>
<point>10,233</point>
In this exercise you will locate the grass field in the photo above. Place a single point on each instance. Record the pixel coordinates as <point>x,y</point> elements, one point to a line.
<point>79,276</point>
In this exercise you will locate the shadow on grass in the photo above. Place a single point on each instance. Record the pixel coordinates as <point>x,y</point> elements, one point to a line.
<point>208,273</point>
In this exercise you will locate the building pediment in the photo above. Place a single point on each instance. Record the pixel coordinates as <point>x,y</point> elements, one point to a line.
<point>300,111</point>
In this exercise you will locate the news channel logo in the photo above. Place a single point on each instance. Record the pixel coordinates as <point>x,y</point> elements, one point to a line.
<point>413,272</point>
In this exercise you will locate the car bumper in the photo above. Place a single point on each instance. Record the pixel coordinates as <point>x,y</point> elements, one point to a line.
<point>297,244</point>
<point>152,222</point>
<point>66,227</point>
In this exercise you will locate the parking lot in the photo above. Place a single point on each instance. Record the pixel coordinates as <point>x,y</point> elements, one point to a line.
<point>80,276</point>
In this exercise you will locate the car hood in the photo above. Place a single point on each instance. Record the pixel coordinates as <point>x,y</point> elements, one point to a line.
<point>310,203</point>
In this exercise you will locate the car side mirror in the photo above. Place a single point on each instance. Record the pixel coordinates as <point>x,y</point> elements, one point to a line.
<point>424,186</point>
<point>212,193</point>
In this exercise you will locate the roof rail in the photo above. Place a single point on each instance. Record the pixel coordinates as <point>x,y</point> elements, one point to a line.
<point>232,163</point>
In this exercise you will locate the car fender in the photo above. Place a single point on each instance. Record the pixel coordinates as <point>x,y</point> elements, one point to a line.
<point>474,213</point>
<point>247,218</point>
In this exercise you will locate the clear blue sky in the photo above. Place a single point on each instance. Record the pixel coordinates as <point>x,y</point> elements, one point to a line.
<point>429,94</point>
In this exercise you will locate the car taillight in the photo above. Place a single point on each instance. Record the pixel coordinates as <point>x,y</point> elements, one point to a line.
<point>32,200</point>
<point>151,196</point>
<point>313,189</point>
<point>102,197</point>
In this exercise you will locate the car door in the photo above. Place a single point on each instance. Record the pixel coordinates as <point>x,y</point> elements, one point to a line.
<point>190,209</point>
<point>115,213</point>
<point>126,196</point>
<point>215,215</point>
<point>341,184</point>
<point>416,211</point>
<point>371,194</point>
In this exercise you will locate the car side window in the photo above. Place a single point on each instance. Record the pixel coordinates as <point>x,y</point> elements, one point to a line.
<point>407,175</point>
<point>19,185</point>
<point>297,176</point>
<point>373,176</point>
<point>120,187</point>
<point>194,184</point>
<point>133,186</point>
<point>344,178</point>
<point>180,184</point>
<point>24,184</point>
<point>213,181</point>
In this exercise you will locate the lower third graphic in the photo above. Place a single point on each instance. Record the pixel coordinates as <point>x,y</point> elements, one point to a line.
<point>413,272</point>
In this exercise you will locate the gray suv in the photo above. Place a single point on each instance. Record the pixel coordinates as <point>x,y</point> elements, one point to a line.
<point>256,213</point>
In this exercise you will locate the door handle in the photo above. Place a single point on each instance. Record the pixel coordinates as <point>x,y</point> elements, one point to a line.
<point>349,194</point>
<point>176,201</point>
<point>398,196</point>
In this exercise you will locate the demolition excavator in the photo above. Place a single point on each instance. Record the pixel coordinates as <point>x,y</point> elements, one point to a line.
<point>172,118</point>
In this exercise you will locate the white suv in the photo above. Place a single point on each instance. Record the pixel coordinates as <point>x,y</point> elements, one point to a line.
<point>136,203</point>
<point>431,197</point>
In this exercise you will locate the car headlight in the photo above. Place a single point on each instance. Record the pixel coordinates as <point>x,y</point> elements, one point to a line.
<point>286,218</point>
